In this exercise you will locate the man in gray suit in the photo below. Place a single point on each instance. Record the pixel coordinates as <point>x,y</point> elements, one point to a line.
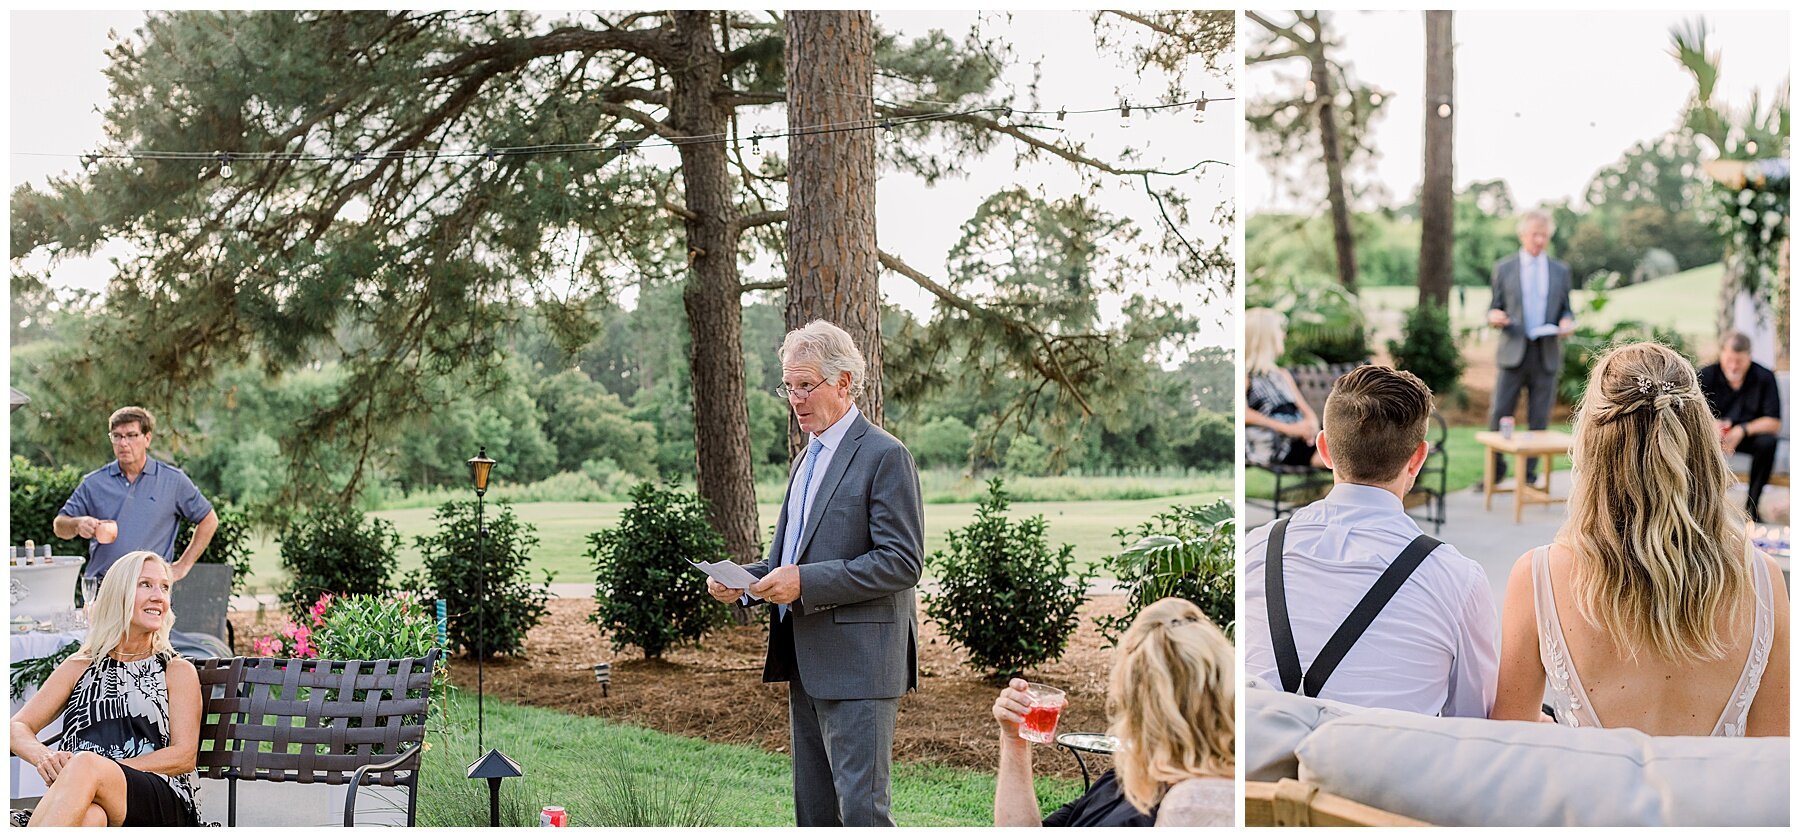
<point>841,574</point>
<point>1531,308</point>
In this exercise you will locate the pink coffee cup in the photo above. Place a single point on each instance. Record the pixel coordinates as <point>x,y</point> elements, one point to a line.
<point>106,531</point>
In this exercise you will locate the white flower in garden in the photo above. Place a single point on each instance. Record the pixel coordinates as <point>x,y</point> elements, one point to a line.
<point>1745,196</point>
<point>1771,218</point>
<point>1748,215</point>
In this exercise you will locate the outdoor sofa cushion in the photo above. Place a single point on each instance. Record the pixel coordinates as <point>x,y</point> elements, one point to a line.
<point>1275,724</point>
<point>1475,772</point>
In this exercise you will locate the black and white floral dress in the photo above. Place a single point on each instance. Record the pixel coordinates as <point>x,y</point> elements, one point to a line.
<point>121,710</point>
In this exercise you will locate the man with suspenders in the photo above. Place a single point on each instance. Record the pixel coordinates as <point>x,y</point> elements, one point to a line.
<point>1347,599</point>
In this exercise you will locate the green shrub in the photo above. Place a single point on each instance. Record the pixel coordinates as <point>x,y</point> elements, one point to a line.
<point>1428,349</point>
<point>337,550</point>
<point>36,495</point>
<point>1027,457</point>
<point>645,592</point>
<point>1004,596</point>
<point>395,626</point>
<point>941,442</point>
<point>1188,551</point>
<point>1213,443</point>
<point>457,567</point>
<point>230,544</point>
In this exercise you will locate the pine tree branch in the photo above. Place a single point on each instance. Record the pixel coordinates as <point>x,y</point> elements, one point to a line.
<point>1048,366</point>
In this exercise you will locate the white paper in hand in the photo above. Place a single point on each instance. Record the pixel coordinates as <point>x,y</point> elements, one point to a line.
<point>1546,330</point>
<point>731,575</point>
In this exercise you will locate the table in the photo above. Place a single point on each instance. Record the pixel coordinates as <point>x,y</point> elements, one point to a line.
<point>1525,445</point>
<point>1087,742</point>
<point>26,782</point>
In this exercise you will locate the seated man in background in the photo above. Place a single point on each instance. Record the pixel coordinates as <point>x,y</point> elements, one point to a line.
<point>1746,400</point>
<point>1350,590</point>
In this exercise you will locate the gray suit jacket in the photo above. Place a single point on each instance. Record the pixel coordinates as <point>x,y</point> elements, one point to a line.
<point>855,625</point>
<point>1509,297</point>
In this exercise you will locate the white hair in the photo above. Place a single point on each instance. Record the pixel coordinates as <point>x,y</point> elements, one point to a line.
<point>831,349</point>
<point>1537,216</point>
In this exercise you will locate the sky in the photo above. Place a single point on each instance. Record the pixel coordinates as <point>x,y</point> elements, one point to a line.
<point>57,91</point>
<point>1543,99</point>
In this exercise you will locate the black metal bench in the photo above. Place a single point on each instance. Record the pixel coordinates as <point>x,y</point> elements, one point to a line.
<point>362,723</point>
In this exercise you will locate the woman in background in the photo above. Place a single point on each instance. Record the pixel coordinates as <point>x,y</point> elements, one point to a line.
<point>130,709</point>
<point>1280,428</point>
<point>1651,610</point>
<point>1171,698</point>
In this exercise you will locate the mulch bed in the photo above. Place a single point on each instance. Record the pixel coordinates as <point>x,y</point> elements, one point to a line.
<point>715,692</point>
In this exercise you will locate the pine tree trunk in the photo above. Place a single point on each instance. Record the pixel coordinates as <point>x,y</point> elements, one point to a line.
<point>715,321</point>
<point>1437,194</point>
<point>831,258</point>
<point>1334,168</point>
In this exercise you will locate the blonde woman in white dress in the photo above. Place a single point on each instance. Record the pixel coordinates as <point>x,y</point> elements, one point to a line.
<point>1651,610</point>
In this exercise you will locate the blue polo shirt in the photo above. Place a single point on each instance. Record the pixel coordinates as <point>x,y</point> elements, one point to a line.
<point>149,511</point>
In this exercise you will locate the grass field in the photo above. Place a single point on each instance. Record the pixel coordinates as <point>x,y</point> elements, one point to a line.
<point>1460,446</point>
<point>1686,300</point>
<point>563,528</point>
<point>571,760</point>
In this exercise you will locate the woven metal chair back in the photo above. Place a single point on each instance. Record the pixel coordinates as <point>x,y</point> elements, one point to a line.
<point>312,720</point>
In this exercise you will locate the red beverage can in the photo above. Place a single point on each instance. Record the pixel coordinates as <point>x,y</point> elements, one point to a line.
<point>553,816</point>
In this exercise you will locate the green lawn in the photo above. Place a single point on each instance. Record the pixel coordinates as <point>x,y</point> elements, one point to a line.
<point>1460,446</point>
<point>562,529</point>
<point>1686,300</point>
<point>577,762</point>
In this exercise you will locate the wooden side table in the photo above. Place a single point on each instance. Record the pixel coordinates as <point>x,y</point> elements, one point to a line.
<point>1525,445</point>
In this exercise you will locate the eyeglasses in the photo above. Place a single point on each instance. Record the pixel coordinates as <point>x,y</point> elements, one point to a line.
<point>125,437</point>
<point>804,391</point>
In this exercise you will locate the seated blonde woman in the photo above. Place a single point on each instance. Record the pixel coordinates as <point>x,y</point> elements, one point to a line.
<point>1280,428</point>
<point>1652,610</point>
<point>1172,699</point>
<point>130,709</point>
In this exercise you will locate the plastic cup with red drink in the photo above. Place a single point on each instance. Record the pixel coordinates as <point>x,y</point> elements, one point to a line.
<point>1046,706</point>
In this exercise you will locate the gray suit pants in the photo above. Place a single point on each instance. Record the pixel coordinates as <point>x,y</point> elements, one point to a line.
<point>1540,386</point>
<point>842,750</point>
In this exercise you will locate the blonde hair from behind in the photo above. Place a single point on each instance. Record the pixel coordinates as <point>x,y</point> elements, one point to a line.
<point>1265,338</point>
<point>110,615</point>
<point>1172,701</point>
<point>1659,550</point>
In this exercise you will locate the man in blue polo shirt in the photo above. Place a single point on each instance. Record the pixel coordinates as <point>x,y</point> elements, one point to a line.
<point>146,499</point>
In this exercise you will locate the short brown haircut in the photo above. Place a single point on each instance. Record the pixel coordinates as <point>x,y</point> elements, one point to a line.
<point>126,415</point>
<point>1375,419</point>
<point>1736,341</point>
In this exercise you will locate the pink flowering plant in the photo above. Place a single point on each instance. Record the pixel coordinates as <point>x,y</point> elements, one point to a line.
<point>295,640</point>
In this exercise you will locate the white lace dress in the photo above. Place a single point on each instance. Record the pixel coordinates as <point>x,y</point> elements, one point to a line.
<point>1569,698</point>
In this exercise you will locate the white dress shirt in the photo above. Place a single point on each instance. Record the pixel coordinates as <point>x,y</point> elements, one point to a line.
<point>1534,288</point>
<point>830,439</point>
<point>1434,649</point>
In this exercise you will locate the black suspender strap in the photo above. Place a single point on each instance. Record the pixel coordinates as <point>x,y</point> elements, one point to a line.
<point>1281,630</point>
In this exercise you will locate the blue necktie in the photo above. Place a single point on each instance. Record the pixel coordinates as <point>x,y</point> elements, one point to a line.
<point>793,555</point>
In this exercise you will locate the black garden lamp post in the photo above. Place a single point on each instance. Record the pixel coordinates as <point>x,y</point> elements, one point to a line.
<point>493,765</point>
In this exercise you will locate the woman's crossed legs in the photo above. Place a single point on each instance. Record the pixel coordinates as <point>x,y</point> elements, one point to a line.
<point>89,791</point>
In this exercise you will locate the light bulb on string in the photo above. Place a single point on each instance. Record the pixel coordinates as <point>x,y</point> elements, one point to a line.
<point>1200,110</point>
<point>1004,117</point>
<point>1124,114</point>
<point>1061,114</point>
<point>225,166</point>
<point>491,164</point>
<point>1443,110</point>
<point>359,167</point>
<point>90,163</point>
<point>756,145</point>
